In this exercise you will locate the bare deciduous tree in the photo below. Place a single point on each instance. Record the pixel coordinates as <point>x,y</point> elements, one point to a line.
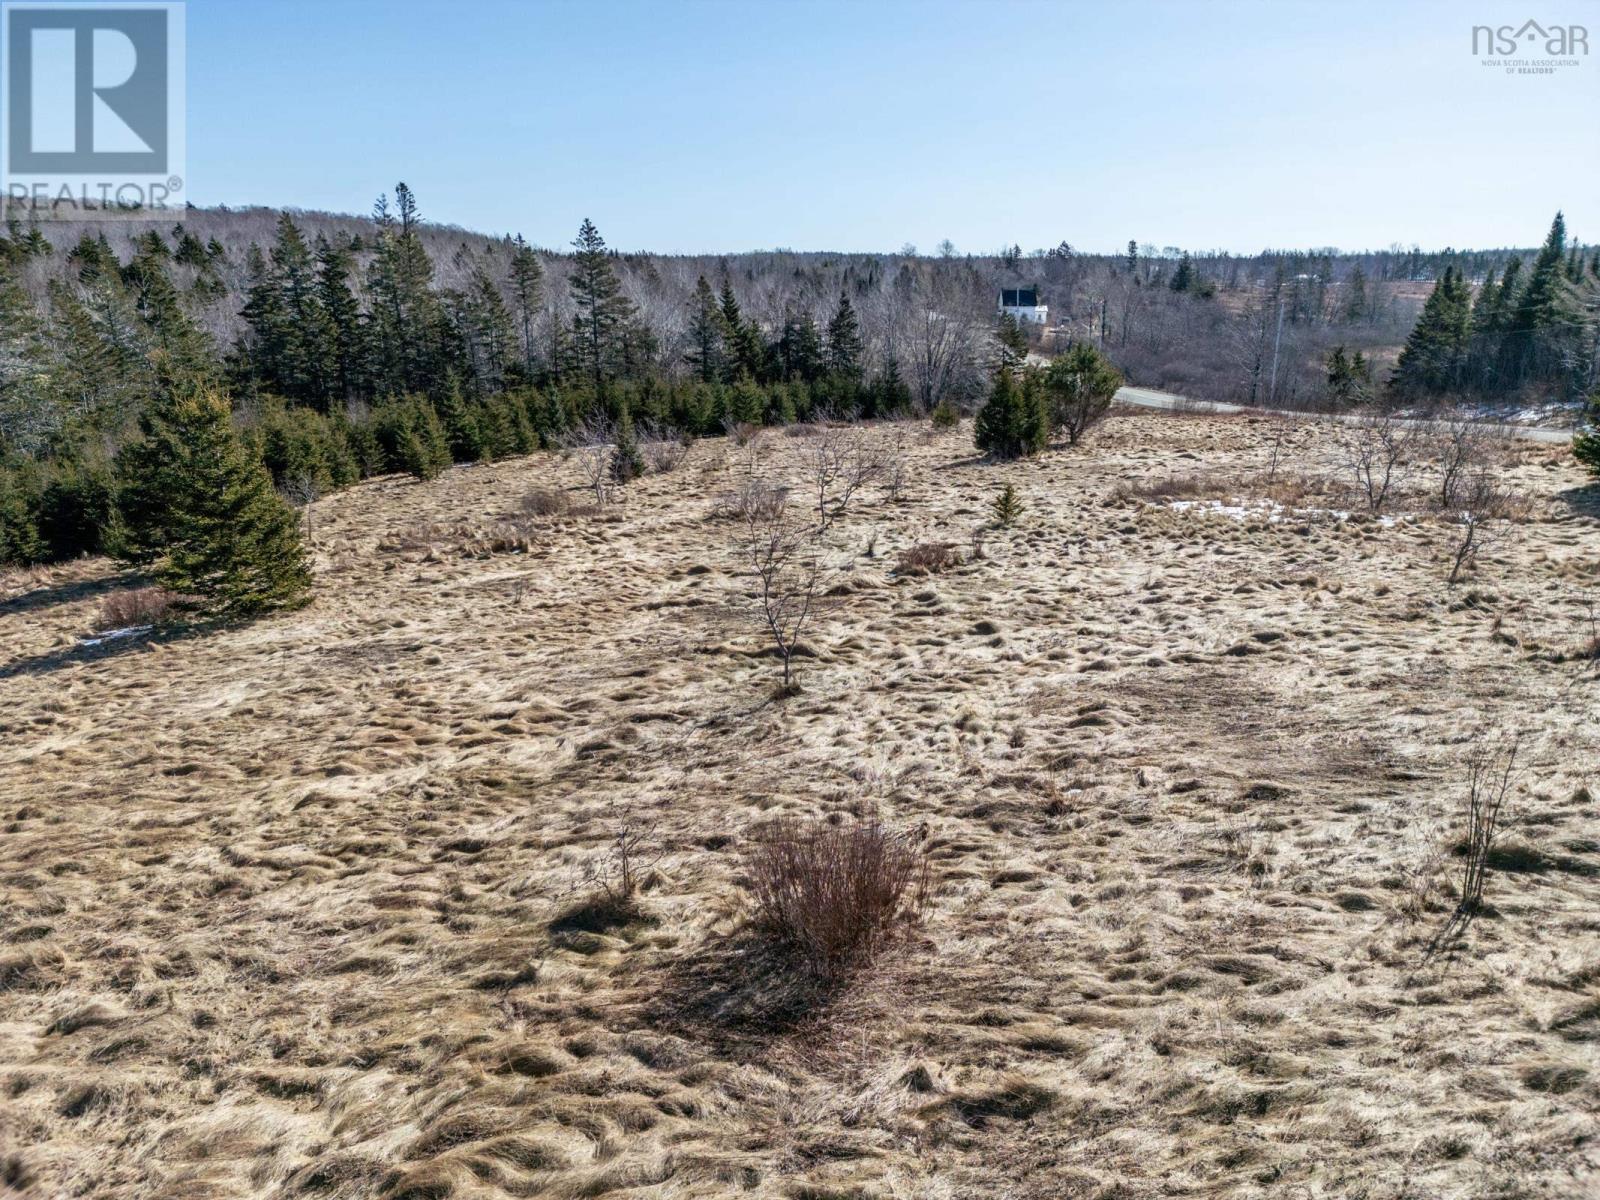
<point>787,558</point>
<point>591,444</point>
<point>840,462</point>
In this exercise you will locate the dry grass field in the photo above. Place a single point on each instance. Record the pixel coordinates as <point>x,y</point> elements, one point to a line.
<point>297,909</point>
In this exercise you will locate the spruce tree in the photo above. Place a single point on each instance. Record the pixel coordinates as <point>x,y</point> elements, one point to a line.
<point>1433,358</point>
<point>308,351</point>
<point>705,333</point>
<point>1586,447</point>
<point>1012,341</point>
<point>527,285</point>
<point>202,514</point>
<point>407,323</point>
<point>346,331</point>
<point>1357,304</point>
<point>1545,328</point>
<point>741,338</point>
<point>602,308</point>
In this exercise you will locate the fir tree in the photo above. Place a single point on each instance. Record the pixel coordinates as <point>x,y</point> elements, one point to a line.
<point>1586,444</point>
<point>159,306</point>
<point>1006,507</point>
<point>1011,423</point>
<point>844,341</point>
<point>889,395</point>
<point>20,541</point>
<point>202,514</point>
<point>626,462</point>
<point>1183,279</point>
<point>463,426</point>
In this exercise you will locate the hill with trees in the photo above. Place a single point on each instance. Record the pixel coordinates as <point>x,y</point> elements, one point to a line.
<point>352,346</point>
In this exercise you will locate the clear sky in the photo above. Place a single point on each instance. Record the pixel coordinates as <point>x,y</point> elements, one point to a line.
<point>718,125</point>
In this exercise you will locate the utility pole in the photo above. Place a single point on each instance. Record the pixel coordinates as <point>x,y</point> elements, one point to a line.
<point>1272,389</point>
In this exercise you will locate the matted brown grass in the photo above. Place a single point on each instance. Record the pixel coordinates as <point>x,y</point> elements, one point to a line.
<point>285,906</point>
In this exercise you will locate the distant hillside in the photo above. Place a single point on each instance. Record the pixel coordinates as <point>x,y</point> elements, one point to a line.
<point>1201,340</point>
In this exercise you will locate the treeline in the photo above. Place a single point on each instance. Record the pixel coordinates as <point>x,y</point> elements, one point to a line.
<point>1535,329</point>
<point>330,388</point>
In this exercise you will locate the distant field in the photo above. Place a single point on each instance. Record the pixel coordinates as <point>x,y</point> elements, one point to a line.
<point>283,903</point>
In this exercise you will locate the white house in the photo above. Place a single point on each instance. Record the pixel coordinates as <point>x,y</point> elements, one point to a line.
<point>1023,304</point>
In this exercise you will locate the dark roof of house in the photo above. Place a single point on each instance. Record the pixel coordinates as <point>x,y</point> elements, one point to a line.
<point>1019,297</point>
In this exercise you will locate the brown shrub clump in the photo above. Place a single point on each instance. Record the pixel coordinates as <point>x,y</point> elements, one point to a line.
<point>927,558</point>
<point>546,502</point>
<point>137,606</point>
<point>753,500</point>
<point>836,894</point>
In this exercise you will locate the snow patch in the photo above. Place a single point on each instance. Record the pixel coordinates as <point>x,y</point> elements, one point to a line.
<point>112,635</point>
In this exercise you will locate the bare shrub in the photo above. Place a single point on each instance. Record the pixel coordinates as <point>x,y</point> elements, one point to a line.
<point>1376,450</point>
<point>137,606</point>
<point>1173,487</point>
<point>661,448</point>
<point>836,894</point>
<point>663,454</point>
<point>927,558</point>
<point>752,500</point>
<point>1490,773</point>
<point>545,502</point>
<point>1463,448</point>
<point>514,535</point>
<point>591,443</point>
<point>613,881</point>
<point>1481,511</point>
<point>787,559</point>
<point>839,463</point>
<point>1283,428</point>
<point>302,492</point>
<point>741,433</point>
<point>975,545</point>
<point>894,481</point>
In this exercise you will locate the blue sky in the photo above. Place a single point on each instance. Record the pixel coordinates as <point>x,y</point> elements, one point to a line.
<point>715,125</point>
